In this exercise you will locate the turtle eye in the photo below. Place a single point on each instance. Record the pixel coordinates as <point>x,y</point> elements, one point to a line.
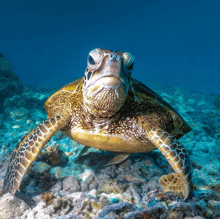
<point>91,60</point>
<point>128,60</point>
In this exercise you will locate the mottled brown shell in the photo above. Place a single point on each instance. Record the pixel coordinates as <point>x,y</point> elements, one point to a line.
<point>69,87</point>
<point>138,92</point>
<point>142,93</point>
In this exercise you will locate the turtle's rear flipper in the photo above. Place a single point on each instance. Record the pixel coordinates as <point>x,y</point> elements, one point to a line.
<point>173,183</point>
<point>26,152</point>
<point>177,157</point>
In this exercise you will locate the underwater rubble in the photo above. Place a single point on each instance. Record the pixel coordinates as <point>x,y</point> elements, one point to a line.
<point>60,184</point>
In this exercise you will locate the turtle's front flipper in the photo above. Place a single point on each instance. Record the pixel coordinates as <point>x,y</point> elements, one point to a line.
<point>119,158</point>
<point>177,157</point>
<point>26,152</point>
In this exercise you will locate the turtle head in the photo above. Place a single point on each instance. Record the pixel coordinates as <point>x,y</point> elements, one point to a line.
<point>106,81</point>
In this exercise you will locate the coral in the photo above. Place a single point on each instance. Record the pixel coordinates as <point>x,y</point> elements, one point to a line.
<point>12,207</point>
<point>54,156</point>
<point>47,197</point>
<point>85,188</point>
<point>71,184</point>
<point>117,209</point>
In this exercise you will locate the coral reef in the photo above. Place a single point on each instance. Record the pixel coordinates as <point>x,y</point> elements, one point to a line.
<point>10,84</point>
<point>61,185</point>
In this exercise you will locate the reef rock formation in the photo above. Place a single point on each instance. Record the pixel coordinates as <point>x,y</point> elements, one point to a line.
<point>10,84</point>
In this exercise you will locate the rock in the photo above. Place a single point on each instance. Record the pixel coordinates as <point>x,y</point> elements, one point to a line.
<point>71,184</point>
<point>104,200</point>
<point>68,217</point>
<point>135,192</point>
<point>40,211</point>
<point>92,193</point>
<point>117,209</point>
<point>177,211</point>
<point>113,186</point>
<point>39,178</point>
<point>40,168</point>
<point>88,180</point>
<point>12,207</point>
<point>113,198</point>
<point>57,187</point>
<point>215,208</point>
<point>156,212</point>
<point>197,217</point>
<point>205,195</point>
<point>110,216</point>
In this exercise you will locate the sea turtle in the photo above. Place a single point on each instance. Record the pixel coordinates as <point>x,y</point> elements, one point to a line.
<point>108,109</point>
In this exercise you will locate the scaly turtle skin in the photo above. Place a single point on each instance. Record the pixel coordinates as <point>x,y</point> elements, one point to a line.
<point>108,109</point>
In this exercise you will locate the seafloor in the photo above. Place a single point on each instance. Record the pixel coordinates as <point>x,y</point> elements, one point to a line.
<point>61,185</point>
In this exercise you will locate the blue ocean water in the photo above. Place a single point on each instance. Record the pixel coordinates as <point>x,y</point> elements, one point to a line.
<point>176,47</point>
<point>176,42</point>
